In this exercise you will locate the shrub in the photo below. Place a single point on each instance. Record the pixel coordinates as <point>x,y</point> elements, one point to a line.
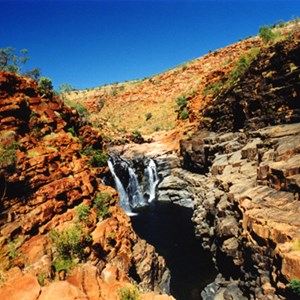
<point>101,205</point>
<point>129,293</point>
<point>181,101</point>
<point>70,242</point>
<point>45,85</point>
<point>243,64</point>
<point>41,277</point>
<point>184,114</point>
<point>81,109</point>
<point>63,263</point>
<point>212,89</point>
<point>12,248</point>
<point>98,157</point>
<point>294,285</point>
<point>8,147</point>
<point>148,116</point>
<point>137,134</point>
<point>66,88</point>
<point>83,212</point>
<point>266,34</point>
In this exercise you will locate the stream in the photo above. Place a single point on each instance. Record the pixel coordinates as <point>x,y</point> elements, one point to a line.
<point>168,227</point>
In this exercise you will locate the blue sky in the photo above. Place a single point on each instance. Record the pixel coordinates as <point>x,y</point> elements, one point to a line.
<point>94,42</point>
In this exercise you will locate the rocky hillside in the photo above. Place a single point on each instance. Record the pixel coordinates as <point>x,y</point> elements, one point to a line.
<point>62,235</point>
<point>151,104</point>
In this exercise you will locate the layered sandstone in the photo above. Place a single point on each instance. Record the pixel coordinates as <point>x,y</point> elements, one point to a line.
<point>43,181</point>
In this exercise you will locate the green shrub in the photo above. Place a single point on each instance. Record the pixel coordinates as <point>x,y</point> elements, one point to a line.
<point>148,116</point>
<point>72,131</point>
<point>137,134</point>
<point>101,205</point>
<point>12,248</point>
<point>266,34</point>
<point>98,157</point>
<point>243,64</point>
<point>63,263</point>
<point>212,89</point>
<point>294,285</point>
<point>184,114</point>
<point>8,147</point>
<point>129,293</point>
<point>181,101</point>
<point>45,85</point>
<point>81,109</point>
<point>70,242</point>
<point>83,212</point>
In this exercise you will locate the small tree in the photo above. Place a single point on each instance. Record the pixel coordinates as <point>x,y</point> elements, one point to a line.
<point>66,88</point>
<point>34,74</point>
<point>11,62</point>
<point>266,34</point>
<point>45,85</point>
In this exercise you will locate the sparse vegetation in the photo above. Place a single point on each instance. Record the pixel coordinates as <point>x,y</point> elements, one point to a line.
<point>83,212</point>
<point>181,101</point>
<point>137,134</point>
<point>81,109</point>
<point>267,34</point>
<point>13,249</point>
<point>98,157</point>
<point>70,242</point>
<point>8,147</point>
<point>294,285</point>
<point>148,116</point>
<point>41,277</point>
<point>213,89</point>
<point>66,88</point>
<point>184,114</point>
<point>11,62</point>
<point>45,86</point>
<point>129,293</point>
<point>101,205</point>
<point>243,64</point>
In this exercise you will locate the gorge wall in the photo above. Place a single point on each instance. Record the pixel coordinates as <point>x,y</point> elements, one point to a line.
<point>62,234</point>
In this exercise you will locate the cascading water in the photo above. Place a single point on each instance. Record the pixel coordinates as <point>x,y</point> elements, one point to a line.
<point>124,200</point>
<point>166,226</point>
<point>133,194</point>
<point>151,174</point>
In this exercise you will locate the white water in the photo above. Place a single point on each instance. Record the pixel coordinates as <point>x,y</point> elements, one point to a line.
<point>135,195</point>
<point>124,200</point>
<point>136,198</point>
<point>151,174</point>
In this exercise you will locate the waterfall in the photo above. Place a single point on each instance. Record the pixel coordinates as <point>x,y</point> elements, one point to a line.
<point>134,190</point>
<point>124,200</point>
<point>133,194</point>
<point>151,173</point>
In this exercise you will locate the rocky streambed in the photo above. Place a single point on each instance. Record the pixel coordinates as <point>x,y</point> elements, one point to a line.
<point>244,188</point>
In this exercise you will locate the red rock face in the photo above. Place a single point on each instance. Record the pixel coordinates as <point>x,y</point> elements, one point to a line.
<point>44,178</point>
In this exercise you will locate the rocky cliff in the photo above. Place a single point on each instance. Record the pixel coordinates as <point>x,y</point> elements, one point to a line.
<point>246,210</point>
<point>62,234</point>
